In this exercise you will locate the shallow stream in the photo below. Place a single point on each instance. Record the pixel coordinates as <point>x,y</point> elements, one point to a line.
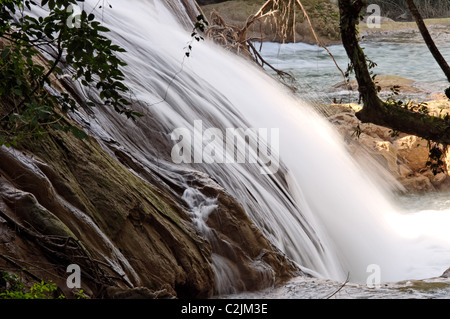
<point>402,54</point>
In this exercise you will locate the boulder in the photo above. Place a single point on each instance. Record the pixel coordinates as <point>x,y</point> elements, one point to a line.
<point>413,151</point>
<point>405,156</point>
<point>417,183</point>
<point>67,201</point>
<point>389,152</point>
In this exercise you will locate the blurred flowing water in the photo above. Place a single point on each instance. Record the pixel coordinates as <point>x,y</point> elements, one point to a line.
<point>321,208</point>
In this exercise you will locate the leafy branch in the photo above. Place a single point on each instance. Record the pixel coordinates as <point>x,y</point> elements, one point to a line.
<point>27,108</point>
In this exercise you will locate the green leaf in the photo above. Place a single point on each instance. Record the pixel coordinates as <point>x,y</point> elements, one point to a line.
<point>78,133</point>
<point>5,52</point>
<point>88,52</point>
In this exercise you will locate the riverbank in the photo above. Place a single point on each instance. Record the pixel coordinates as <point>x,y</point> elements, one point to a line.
<point>325,20</point>
<point>387,24</point>
<point>323,15</point>
<point>404,156</point>
<point>390,30</point>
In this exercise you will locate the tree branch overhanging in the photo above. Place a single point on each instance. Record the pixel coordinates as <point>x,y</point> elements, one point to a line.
<point>283,21</point>
<point>374,109</point>
<point>428,39</point>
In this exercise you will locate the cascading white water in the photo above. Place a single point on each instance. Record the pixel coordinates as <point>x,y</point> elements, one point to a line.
<point>156,45</point>
<point>321,209</point>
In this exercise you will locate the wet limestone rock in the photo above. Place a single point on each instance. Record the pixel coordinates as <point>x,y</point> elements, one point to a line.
<point>404,156</point>
<point>65,200</point>
<point>413,150</point>
<point>390,154</point>
<point>137,231</point>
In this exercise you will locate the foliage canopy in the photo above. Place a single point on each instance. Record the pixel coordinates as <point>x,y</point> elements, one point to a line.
<point>28,106</point>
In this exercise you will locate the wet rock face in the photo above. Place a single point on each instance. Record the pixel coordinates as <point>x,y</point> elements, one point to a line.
<point>137,231</point>
<point>87,202</point>
<point>240,251</point>
<point>139,236</point>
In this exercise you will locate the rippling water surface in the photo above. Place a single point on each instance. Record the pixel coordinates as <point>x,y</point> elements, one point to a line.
<point>403,54</point>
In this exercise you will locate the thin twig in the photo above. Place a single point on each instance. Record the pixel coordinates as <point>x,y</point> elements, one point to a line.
<point>340,288</point>
<point>319,43</point>
<point>12,262</point>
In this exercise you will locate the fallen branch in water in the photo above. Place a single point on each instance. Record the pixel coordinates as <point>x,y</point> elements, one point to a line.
<point>282,74</point>
<point>235,39</point>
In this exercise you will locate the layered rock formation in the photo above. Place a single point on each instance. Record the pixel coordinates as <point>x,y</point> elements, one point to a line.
<point>65,200</point>
<point>128,226</point>
<point>405,156</point>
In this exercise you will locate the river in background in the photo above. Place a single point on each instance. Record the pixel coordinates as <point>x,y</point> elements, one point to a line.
<point>401,53</point>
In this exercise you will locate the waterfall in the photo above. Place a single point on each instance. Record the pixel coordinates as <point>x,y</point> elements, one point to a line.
<point>320,208</point>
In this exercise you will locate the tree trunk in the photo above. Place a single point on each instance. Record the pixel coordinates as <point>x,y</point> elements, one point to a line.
<point>374,109</point>
<point>349,18</point>
<point>427,38</point>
